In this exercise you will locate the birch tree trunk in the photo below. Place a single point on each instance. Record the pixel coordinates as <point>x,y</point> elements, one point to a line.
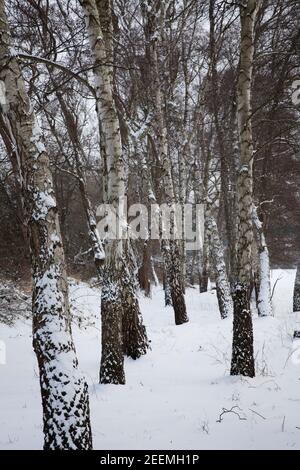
<point>215,246</point>
<point>201,190</point>
<point>145,271</point>
<point>264,304</point>
<point>117,301</point>
<point>203,268</point>
<point>242,362</point>
<point>296,296</point>
<point>227,168</point>
<point>217,255</point>
<point>63,389</point>
<point>182,199</point>
<point>167,291</point>
<point>153,16</point>
<point>135,342</point>
<point>296,302</point>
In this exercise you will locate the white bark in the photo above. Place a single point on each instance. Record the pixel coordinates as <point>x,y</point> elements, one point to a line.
<point>63,389</point>
<point>264,304</point>
<point>296,303</point>
<point>242,362</point>
<point>154,17</point>
<point>119,303</point>
<point>217,255</point>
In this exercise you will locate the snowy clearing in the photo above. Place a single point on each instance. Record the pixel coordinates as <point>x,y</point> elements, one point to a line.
<point>174,396</point>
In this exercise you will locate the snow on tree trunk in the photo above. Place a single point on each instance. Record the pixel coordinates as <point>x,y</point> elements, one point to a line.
<point>63,389</point>
<point>242,362</point>
<point>264,282</point>
<point>217,255</point>
<point>99,25</point>
<point>167,291</point>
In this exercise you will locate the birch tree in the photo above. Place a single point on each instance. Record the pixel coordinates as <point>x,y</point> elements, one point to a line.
<point>122,327</point>
<point>217,255</point>
<point>242,362</point>
<point>227,163</point>
<point>296,294</point>
<point>296,303</point>
<point>64,392</point>
<point>264,304</point>
<point>153,14</point>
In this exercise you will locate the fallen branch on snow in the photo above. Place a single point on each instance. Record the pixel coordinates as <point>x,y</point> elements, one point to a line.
<point>224,411</point>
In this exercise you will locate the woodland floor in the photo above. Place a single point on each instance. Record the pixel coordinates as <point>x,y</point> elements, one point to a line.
<point>174,396</point>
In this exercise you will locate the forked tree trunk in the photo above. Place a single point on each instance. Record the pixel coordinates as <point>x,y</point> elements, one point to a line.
<point>100,30</point>
<point>242,362</point>
<point>63,389</point>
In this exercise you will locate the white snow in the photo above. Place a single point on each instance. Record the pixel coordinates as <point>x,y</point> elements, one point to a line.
<point>36,138</point>
<point>44,202</point>
<point>175,394</point>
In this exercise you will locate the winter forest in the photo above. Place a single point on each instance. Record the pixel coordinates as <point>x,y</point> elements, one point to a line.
<point>150,224</point>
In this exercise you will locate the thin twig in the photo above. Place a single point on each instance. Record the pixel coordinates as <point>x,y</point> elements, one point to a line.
<point>224,411</point>
<point>255,412</point>
<point>273,290</point>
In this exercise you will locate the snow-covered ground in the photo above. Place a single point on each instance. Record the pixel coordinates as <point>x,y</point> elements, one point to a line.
<point>174,396</point>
